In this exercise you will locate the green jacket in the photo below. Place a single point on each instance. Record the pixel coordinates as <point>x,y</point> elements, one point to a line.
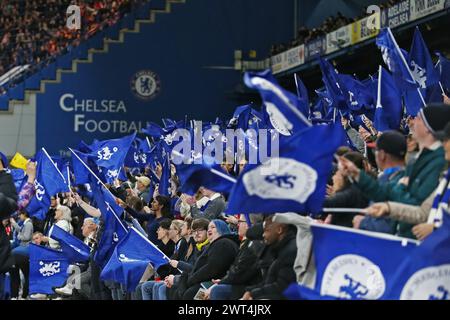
<point>423,179</point>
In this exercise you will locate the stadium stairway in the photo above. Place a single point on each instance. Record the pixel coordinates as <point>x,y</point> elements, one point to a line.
<point>22,93</point>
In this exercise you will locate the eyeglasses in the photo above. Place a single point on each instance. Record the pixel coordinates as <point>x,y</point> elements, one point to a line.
<point>198,231</point>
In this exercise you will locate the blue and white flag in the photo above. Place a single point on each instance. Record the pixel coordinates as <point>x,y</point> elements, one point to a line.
<point>420,62</point>
<point>245,117</point>
<point>48,269</point>
<point>281,106</point>
<point>294,182</point>
<point>358,94</point>
<point>111,153</point>
<point>425,272</point>
<point>355,264</point>
<point>49,180</point>
<point>113,228</point>
<point>130,259</point>
<point>389,110</point>
<point>396,59</point>
<point>73,248</point>
<point>423,72</point>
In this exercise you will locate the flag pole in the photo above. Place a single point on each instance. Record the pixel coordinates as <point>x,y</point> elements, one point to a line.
<point>442,88</point>
<point>100,181</point>
<point>296,85</point>
<point>68,179</point>
<point>148,142</point>
<point>344,210</point>
<point>380,71</point>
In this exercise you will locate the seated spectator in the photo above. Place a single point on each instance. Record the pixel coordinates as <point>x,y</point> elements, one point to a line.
<point>243,272</point>
<point>282,239</point>
<point>198,244</point>
<point>213,262</point>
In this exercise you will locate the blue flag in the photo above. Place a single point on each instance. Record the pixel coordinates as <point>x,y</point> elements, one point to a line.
<point>48,269</point>
<point>302,94</point>
<point>241,117</point>
<point>335,90</point>
<point>207,174</point>
<point>358,94</point>
<point>353,264</point>
<point>130,259</point>
<point>18,176</point>
<point>425,272</point>
<point>388,113</point>
<point>136,158</point>
<point>420,62</point>
<point>36,210</point>
<point>164,183</point>
<point>294,182</point>
<point>281,106</point>
<point>396,59</point>
<point>111,153</point>
<point>154,130</point>
<point>81,173</point>
<point>49,180</point>
<point>443,69</point>
<point>73,248</point>
<point>113,228</point>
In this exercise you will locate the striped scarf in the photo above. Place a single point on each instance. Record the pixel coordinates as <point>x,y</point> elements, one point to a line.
<point>440,202</point>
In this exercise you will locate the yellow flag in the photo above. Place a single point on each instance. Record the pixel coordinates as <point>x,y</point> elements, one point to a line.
<point>19,161</point>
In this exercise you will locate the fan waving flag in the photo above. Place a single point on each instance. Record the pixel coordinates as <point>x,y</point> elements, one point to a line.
<point>49,180</point>
<point>294,182</point>
<point>48,269</point>
<point>113,228</point>
<point>130,259</point>
<point>73,248</point>
<point>281,106</point>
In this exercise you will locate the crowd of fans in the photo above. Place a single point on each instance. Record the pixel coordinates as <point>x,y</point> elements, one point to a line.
<point>34,32</point>
<point>332,23</point>
<point>395,175</point>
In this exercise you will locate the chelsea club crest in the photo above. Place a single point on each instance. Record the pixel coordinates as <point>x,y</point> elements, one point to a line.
<point>146,85</point>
